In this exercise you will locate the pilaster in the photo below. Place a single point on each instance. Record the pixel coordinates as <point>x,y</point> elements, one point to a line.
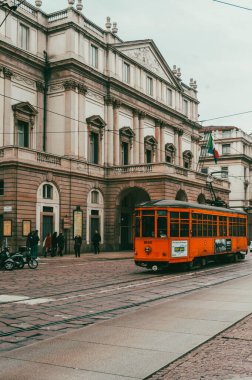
<point>142,116</point>
<point>8,127</point>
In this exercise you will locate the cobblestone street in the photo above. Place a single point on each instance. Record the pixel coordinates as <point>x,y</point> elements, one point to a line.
<point>63,295</point>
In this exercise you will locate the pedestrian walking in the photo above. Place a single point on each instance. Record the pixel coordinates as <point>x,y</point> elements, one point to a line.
<point>54,244</point>
<point>60,243</point>
<point>96,242</point>
<point>34,247</point>
<point>47,244</point>
<point>77,245</point>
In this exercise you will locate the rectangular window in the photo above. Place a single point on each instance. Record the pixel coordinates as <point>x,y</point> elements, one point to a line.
<point>1,187</point>
<point>169,97</point>
<point>94,56</point>
<point>226,149</point>
<point>179,224</point>
<point>203,151</point>
<point>24,37</point>
<point>148,226</point>
<point>94,148</point>
<point>125,153</point>
<point>148,156</point>
<point>224,172</point>
<point>222,226</point>
<point>22,132</point>
<point>149,86</point>
<point>126,72</point>
<point>185,107</point>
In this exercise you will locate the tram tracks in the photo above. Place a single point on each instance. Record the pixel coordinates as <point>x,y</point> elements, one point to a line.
<point>91,317</point>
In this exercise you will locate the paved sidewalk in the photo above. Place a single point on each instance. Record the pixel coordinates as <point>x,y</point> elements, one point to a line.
<point>138,344</point>
<point>122,255</point>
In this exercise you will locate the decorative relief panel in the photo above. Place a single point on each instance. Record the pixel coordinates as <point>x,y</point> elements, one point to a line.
<point>146,58</point>
<point>21,78</point>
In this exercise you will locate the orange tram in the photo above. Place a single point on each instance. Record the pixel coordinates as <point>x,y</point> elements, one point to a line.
<point>172,232</point>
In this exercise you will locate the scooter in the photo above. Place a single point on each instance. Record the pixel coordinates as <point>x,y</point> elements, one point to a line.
<point>6,262</point>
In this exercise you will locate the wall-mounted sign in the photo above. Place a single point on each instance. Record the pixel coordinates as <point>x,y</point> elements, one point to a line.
<point>7,228</point>
<point>26,227</point>
<point>77,218</point>
<point>7,208</point>
<point>179,248</point>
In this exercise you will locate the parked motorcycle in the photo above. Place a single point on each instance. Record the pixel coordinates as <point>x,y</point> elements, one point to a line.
<point>18,258</point>
<point>6,261</point>
<point>27,258</point>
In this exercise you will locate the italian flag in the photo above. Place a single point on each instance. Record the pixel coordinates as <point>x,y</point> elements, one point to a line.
<point>211,148</point>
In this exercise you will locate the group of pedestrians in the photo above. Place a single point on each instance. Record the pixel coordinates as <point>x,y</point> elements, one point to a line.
<point>54,244</point>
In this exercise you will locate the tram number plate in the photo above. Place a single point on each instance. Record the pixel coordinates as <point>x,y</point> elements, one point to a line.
<point>148,242</point>
<point>180,248</point>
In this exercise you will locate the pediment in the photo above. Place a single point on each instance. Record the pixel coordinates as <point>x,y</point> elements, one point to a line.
<point>96,121</point>
<point>150,140</point>
<point>147,54</point>
<point>127,132</point>
<point>25,108</point>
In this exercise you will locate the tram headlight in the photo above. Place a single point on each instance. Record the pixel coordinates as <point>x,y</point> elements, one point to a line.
<point>147,249</point>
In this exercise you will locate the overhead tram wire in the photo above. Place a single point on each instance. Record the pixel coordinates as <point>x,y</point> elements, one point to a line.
<point>233,5</point>
<point>107,130</point>
<point>11,8</point>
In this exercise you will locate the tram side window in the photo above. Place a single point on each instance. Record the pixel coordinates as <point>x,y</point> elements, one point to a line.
<point>179,224</point>
<point>148,223</point>
<point>222,226</point>
<point>197,220</point>
<point>162,223</point>
<point>174,224</point>
<point>242,227</point>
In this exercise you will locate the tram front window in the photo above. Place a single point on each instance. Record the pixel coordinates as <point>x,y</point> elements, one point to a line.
<point>148,226</point>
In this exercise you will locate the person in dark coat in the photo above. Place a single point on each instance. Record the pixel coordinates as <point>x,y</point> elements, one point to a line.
<point>96,242</point>
<point>54,244</point>
<point>61,243</point>
<point>34,247</point>
<point>77,245</point>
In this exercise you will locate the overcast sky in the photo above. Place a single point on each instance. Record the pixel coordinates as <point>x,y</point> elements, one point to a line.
<point>209,41</point>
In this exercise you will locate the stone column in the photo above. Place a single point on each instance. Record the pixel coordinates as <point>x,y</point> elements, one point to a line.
<point>162,143</point>
<point>8,127</point>
<point>109,138</point>
<point>82,125</point>
<point>116,107</point>
<point>141,137</point>
<point>136,137</point>
<point>158,124</point>
<point>38,143</point>
<point>176,144</point>
<point>71,123</point>
<point>180,133</point>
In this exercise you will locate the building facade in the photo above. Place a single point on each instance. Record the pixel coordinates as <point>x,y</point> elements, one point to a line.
<point>89,127</point>
<point>234,164</point>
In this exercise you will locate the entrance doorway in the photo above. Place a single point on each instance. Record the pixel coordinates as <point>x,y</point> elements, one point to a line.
<point>130,198</point>
<point>47,225</point>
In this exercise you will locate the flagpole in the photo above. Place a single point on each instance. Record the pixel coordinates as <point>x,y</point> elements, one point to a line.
<point>201,160</point>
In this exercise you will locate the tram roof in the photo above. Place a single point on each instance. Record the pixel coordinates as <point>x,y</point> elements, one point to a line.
<point>181,204</point>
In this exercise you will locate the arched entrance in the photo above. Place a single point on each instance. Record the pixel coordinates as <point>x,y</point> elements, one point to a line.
<point>128,200</point>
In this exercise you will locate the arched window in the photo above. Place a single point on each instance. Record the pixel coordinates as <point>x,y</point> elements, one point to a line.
<point>181,196</point>
<point>95,196</point>
<point>201,199</point>
<point>47,191</point>
<point>170,153</point>
<point>187,159</point>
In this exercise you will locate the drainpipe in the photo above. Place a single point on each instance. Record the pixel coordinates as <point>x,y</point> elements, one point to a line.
<point>46,79</point>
